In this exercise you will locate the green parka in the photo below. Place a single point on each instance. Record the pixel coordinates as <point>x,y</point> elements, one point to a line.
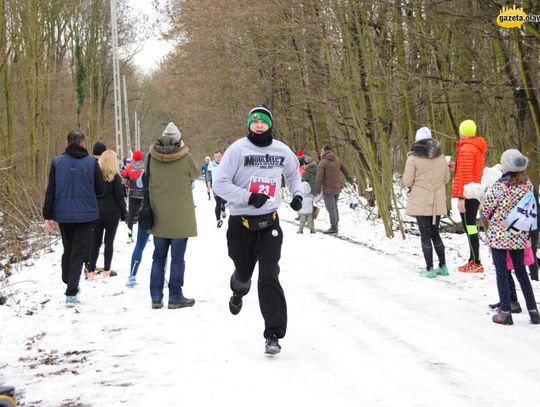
<point>171,172</point>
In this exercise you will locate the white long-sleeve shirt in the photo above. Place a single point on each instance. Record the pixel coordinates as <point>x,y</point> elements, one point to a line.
<point>246,168</point>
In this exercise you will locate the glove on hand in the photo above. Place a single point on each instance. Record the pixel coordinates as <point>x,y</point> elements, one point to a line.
<point>296,203</point>
<point>258,200</point>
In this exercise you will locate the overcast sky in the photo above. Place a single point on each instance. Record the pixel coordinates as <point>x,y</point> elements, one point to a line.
<point>153,49</point>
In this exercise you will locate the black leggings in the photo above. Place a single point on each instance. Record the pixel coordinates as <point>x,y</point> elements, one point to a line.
<point>468,220</point>
<point>109,227</point>
<point>220,206</point>
<point>430,233</point>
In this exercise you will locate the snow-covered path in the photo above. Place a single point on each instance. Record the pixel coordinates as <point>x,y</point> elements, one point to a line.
<point>364,329</point>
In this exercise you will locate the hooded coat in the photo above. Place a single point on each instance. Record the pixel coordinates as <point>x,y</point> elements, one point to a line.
<point>171,171</point>
<point>328,174</point>
<point>426,174</point>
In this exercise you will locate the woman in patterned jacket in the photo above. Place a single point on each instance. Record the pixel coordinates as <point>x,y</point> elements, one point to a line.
<point>503,196</point>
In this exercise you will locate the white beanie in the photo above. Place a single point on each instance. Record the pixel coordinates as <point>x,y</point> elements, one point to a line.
<point>422,133</point>
<point>172,131</point>
<point>513,161</point>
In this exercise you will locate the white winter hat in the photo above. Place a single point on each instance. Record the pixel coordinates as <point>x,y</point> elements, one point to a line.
<point>172,131</point>
<point>513,161</point>
<point>422,133</point>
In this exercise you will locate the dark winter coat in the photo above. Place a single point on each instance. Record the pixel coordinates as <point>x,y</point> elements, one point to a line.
<point>310,175</point>
<point>112,204</point>
<point>171,171</point>
<point>75,181</point>
<point>426,174</point>
<point>328,174</point>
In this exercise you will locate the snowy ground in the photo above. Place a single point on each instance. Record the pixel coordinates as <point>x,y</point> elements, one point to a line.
<point>364,330</point>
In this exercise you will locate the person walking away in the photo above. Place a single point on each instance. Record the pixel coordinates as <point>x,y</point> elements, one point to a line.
<point>112,209</point>
<point>469,166</point>
<point>75,182</point>
<point>500,200</point>
<point>136,256</point>
<point>140,244</point>
<point>133,172</point>
<point>426,174</point>
<point>169,181</point>
<point>98,149</point>
<point>306,211</point>
<point>249,178</point>
<point>204,168</point>
<point>328,181</point>
<point>219,209</point>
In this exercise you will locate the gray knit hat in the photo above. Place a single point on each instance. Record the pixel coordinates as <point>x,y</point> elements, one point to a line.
<point>513,161</point>
<point>172,131</point>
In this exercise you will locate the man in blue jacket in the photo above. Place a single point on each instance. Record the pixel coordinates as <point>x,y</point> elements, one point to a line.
<point>75,181</point>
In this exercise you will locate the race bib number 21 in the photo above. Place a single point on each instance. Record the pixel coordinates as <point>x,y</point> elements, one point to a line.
<point>263,186</point>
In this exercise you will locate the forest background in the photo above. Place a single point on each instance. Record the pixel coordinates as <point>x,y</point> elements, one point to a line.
<point>362,76</point>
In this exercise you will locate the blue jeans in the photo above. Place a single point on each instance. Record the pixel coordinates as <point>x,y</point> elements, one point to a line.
<point>142,239</point>
<point>157,275</point>
<point>503,281</point>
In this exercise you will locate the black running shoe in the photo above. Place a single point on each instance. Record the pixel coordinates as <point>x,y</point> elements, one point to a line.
<point>235,304</point>
<point>272,345</point>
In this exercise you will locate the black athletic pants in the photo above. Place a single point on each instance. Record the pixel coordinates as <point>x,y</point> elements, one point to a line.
<point>245,249</point>
<point>430,233</point>
<point>76,238</point>
<point>220,206</point>
<point>109,227</point>
<point>468,220</point>
<point>133,212</point>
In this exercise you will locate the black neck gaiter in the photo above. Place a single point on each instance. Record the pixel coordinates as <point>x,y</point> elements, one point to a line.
<point>261,140</point>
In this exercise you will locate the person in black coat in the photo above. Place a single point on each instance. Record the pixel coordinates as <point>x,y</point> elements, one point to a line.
<point>112,209</point>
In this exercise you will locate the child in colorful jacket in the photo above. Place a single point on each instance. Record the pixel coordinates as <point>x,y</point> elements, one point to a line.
<point>503,196</point>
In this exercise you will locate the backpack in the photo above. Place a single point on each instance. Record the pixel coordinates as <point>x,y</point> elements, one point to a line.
<point>523,216</point>
<point>135,185</point>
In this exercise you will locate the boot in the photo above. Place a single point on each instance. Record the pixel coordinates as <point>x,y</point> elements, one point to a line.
<point>181,303</point>
<point>157,304</point>
<point>503,318</point>
<point>535,317</point>
<point>515,308</point>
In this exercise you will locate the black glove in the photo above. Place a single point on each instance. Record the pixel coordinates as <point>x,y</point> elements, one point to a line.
<point>258,200</point>
<point>296,203</point>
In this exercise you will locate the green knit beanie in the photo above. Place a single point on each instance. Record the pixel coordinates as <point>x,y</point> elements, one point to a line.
<point>256,116</point>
